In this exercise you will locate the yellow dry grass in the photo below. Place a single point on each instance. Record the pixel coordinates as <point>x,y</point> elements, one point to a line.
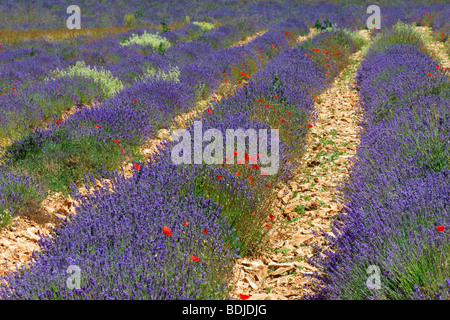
<point>14,36</point>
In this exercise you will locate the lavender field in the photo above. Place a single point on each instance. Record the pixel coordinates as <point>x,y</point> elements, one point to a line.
<point>339,188</point>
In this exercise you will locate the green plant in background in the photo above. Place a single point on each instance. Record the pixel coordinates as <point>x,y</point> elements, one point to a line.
<point>165,27</point>
<point>188,20</point>
<point>110,84</point>
<point>32,51</point>
<point>206,26</point>
<point>172,75</point>
<point>147,39</point>
<point>319,26</point>
<point>129,19</point>
<point>139,13</point>
<point>161,48</point>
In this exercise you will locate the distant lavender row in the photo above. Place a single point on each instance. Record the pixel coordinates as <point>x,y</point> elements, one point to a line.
<point>399,187</point>
<point>52,14</point>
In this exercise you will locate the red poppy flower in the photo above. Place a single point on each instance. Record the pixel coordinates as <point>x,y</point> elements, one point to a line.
<point>440,228</point>
<point>268,185</point>
<point>225,74</point>
<point>228,244</point>
<point>219,177</point>
<point>271,217</point>
<point>137,166</point>
<point>310,126</point>
<point>260,101</point>
<point>255,166</point>
<point>283,120</point>
<point>97,126</point>
<point>135,101</point>
<point>209,110</point>
<point>116,141</point>
<point>205,231</point>
<point>328,65</point>
<point>194,258</point>
<point>429,74</point>
<point>289,113</point>
<point>268,225</point>
<point>166,230</point>
<point>243,296</point>
<point>267,106</point>
<point>185,223</point>
<point>275,96</point>
<point>226,81</point>
<point>123,150</point>
<point>238,174</point>
<point>235,153</point>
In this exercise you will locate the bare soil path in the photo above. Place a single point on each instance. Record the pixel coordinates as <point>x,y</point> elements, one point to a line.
<point>308,202</point>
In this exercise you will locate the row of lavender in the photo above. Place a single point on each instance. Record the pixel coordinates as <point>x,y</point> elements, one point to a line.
<point>52,14</point>
<point>392,242</point>
<point>172,231</point>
